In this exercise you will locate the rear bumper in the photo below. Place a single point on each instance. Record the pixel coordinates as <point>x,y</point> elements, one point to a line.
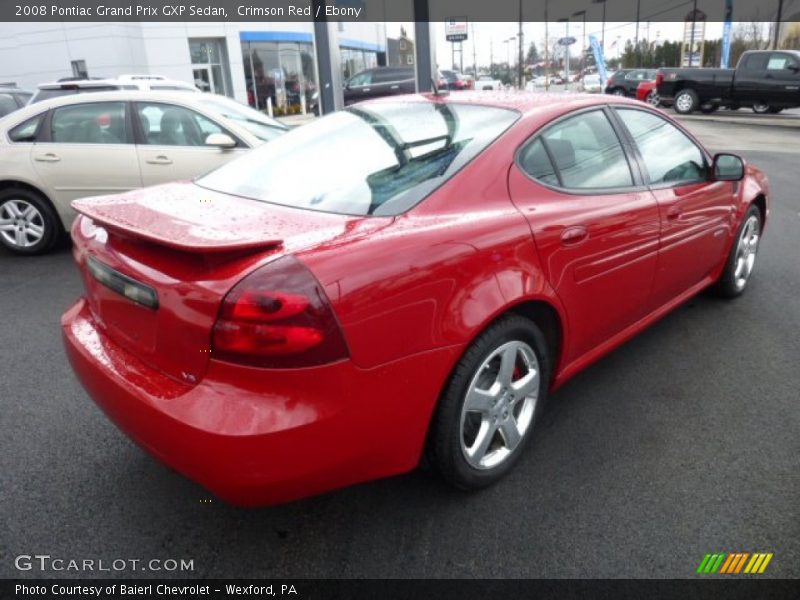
<point>255,436</point>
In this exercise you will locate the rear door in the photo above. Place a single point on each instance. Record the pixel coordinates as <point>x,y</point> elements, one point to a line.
<point>171,143</point>
<point>696,213</point>
<point>595,226</point>
<point>87,149</point>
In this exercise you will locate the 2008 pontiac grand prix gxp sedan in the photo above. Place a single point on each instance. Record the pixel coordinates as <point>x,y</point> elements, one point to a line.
<point>405,276</point>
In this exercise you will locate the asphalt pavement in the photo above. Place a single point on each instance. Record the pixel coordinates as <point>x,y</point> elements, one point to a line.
<point>682,442</point>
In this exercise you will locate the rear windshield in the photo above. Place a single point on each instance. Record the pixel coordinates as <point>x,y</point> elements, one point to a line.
<point>374,159</point>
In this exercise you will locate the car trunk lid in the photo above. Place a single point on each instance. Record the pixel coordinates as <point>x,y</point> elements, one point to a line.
<point>156,264</point>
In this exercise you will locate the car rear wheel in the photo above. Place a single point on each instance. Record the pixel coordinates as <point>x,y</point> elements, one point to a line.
<point>653,99</point>
<point>686,102</point>
<point>761,108</point>
<point>28,225</point>
<point>488,410</point>
<point>742,258</point>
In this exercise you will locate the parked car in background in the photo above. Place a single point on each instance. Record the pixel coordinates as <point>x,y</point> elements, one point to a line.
<point>591,84</point>
<point>462,254</point>
<point>378,82</point>
<point>12,98</point>
<point>452,80</point>
<point>71,85</point>
<point>57,150</point>
<point>767,81</point>
<point>625,81</point>
<point>647,92</point>
<point>487,83</point>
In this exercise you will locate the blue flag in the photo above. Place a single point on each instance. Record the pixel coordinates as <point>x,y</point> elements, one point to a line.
<point>599,59</point>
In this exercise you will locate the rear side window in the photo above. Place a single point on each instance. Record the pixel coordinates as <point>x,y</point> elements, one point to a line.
<point>27,130</point>
<point>7,104</point>
<point>755,62</point>
<point>94,123</point>
<point>361,79</point>
<point>585,154</point>
<point>668,154</point>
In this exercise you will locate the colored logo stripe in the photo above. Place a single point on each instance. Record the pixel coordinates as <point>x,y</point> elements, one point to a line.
<point>734,562</point>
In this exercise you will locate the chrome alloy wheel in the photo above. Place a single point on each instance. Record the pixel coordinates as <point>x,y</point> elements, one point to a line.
<point>499,406</point>
<point>21,223</point>
<point>653,99</point>
<point>684,102</point>
<point>746,251</point>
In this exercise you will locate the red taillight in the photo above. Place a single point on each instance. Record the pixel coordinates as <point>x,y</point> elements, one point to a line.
<point>278,317</point>
<point>659,78</point>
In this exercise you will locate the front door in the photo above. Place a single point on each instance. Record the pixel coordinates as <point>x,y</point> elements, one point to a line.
<point>595,229</point>
<point>696,213</point>
<point>173,145</point>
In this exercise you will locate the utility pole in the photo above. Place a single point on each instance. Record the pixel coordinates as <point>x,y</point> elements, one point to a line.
<point>474,54</point>
<point>582,13</point>
<point>546,52</point>
<point>520,67</point>
<point>566,56</point>
<point>777,39</point>
<point>636,47</point>
<point>691,34</point>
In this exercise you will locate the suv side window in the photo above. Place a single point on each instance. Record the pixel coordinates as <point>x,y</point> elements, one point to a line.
<point>668,153</point>
<point>171,125</point>
<point>583,151</point>
<point>95,123</point>
<point>755,62</point>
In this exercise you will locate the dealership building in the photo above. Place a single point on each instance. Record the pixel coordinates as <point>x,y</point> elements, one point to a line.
<point>266,64</point>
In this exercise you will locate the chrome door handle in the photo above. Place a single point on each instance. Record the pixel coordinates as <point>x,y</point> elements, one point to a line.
<point>159,160</point>
<point>49,157</point>
<point>366,89</point>
<point>394,87</point>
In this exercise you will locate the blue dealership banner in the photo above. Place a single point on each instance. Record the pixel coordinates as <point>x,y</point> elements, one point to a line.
<point>599,58</point>
<point>726,35</point>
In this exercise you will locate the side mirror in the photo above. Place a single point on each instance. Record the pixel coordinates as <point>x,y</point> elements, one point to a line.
<point>728,167</point>
<point>220,140</point>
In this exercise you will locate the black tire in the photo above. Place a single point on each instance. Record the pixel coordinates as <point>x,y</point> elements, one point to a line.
<point>686,102</point>
<point>761,109</point>
<point>45,217</point>
<point>728,285</point>
<point>774,110</point>
<point>447,432</point>
<point>652,99</point>
<point>707,109</point>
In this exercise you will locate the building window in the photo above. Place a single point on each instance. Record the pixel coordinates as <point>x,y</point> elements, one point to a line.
<point>210,67</point>
<point>410,59</point>
<point>355,60</point>
<point>280,76</point>
<point>79,69</point>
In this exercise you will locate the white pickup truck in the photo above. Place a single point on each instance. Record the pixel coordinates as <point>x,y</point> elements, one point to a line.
<point>487,83</point>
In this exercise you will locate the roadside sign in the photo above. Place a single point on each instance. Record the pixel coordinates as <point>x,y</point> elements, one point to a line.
<point>455,29</point>
<point>566,41</point>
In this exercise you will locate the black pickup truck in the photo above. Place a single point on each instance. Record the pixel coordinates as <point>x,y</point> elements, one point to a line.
<point>767,81</point>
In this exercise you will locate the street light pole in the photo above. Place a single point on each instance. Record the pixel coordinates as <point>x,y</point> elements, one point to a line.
<point>582,13</point>
<point>520,66</point>
<point>566,58</point>
<point>546,52</point>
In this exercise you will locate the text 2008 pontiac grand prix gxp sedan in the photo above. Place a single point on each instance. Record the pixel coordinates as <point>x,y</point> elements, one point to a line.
<point>405,276</point>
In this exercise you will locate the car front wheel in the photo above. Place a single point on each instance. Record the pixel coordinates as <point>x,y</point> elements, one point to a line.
<point>742,258</point>
<point>488,410</point>
<point>27,223</point>
<point>761,108</point>
<point>653,99</point>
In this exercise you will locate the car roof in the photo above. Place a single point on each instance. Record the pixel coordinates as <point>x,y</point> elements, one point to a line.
<point>129,80</point>
<point>520,101</point>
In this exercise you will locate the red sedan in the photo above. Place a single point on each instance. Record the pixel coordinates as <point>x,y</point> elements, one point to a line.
<point>405,276</point>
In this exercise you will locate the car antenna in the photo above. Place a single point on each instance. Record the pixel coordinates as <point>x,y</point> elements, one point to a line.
<point>436,91</point>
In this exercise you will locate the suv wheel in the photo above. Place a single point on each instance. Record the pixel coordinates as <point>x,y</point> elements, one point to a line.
<point>686,102</point>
